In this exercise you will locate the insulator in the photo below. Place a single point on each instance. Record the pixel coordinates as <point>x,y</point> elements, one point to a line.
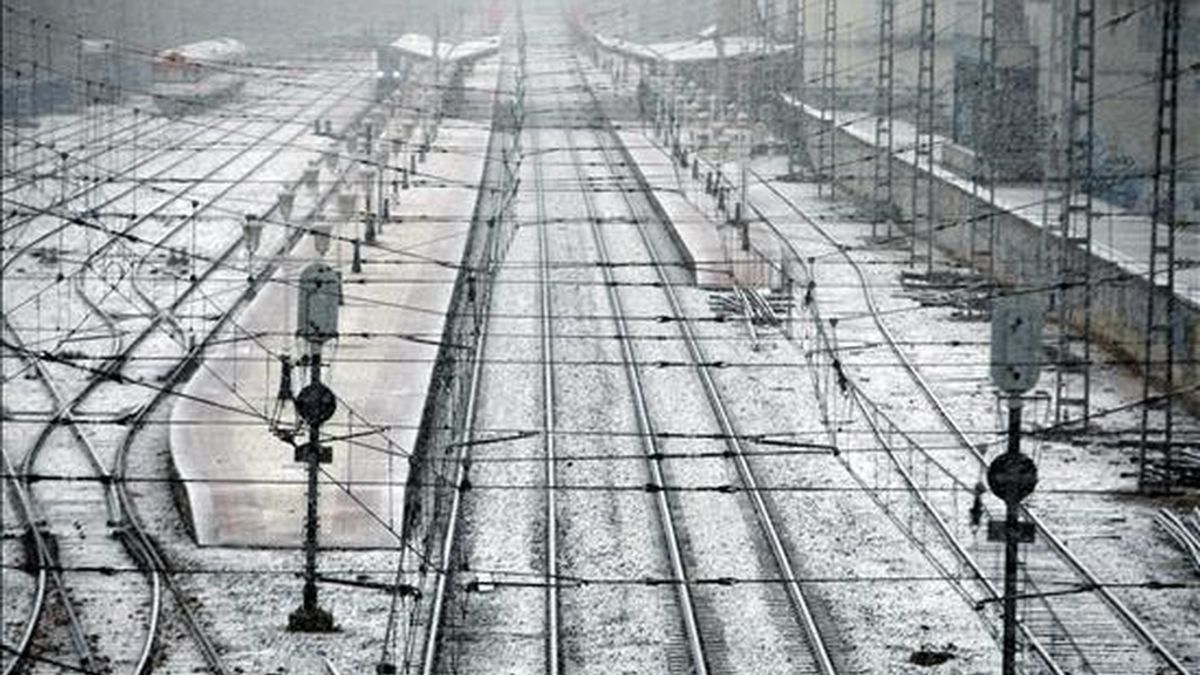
<point>369,234</point>
<point>285,378</point>
<point>977,505</point>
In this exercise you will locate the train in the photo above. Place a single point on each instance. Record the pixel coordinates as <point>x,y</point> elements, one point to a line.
<point>197,76</point>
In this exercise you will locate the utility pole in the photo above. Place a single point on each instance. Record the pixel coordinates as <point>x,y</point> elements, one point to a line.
<point>1016,345</point>
<point>316,323</point>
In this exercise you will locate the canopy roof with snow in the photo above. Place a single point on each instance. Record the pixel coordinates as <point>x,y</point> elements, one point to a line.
<point>705,47</point>
<point>421,46</point>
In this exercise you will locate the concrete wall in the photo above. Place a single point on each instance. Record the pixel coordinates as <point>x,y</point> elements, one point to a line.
<point>1026,256</point>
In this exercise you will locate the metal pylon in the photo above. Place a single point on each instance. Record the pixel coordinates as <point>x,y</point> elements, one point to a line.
<point>885,92</point>
<point>922,176</point>
<point>1072,379</point>
<point>985,141</point>
<point>799,25</point>
<point>1156,469</point>
<point>827,146</point>
<point>799,84</point>
<point>1054,102</point>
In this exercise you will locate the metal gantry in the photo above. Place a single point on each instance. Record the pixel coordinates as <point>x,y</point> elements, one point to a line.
<point>1073,308</point>
<point>922,177</point>
<point>1156,470</point>
<point>827,145</point>
<point>885,93</point>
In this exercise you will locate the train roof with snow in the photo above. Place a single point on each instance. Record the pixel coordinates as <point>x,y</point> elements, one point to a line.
<point>700,50</point>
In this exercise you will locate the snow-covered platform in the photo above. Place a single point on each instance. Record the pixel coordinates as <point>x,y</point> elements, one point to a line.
<point>699,238</point>
<point>424,47</point>
<point>241,483</point>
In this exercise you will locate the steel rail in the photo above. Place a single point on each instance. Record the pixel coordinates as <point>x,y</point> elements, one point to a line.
<point>46,558</point>
<point>178,374</point>
<point>816,642</point>
<point>646,430</point>
<point>141,546</point>
<point>862,401</point>
<point>549,422</point>
<point>1093,582</point>
<point>136,184</point>
<point>106,141</point>
<point>211,202</point>
<point>466,437</point>
<point>25,507</point>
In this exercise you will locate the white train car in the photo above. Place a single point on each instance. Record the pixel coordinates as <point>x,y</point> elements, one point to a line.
<point>198,75</point>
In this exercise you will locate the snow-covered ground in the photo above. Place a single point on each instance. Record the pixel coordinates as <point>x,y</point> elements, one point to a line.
<point>1084,494</point>
<point>76,291</point>
<point>879,602</point>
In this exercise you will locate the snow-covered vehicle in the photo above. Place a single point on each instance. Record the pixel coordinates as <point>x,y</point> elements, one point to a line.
<point>198,75</point>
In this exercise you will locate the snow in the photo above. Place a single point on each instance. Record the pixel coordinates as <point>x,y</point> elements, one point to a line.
<point>876,596</point>
<point>422,46</point>
<point>218,50</point>
<point>959,373</point>
<point>381,382</point>
<point>113,605</point>
<point>695,50</point>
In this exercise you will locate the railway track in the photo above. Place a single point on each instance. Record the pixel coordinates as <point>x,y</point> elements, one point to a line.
<point>56,210</point>
<point>701,627</point>
<point>118,504</point>
<point>1090,630</point>
<point>618,163</point>
<point>549,415</point>
<point>671,537</point>
<point>82,148</point>
<point>195,130</point>
<point>1085,630</point>
<point>442,564</point>
<point>126,237</point>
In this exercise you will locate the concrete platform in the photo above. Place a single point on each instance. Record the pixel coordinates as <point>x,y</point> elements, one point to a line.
<point>703,241</point>
<point>240,481</point>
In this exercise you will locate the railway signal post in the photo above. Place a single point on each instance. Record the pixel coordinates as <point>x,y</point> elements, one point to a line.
<point>316,323</point>
<point>1016,344</point>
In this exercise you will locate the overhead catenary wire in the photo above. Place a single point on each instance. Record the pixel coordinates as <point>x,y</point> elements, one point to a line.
<point>844,347</point>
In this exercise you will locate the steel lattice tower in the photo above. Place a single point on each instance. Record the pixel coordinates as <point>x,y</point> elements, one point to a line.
<point>922,186</point>
<point>885,91</point>
<point>1161,322</point>
<point>797,85</point>
<point>985,142</point>
<point>1052,162</point>
<point>826,149</point>
<point>1072,400</point>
